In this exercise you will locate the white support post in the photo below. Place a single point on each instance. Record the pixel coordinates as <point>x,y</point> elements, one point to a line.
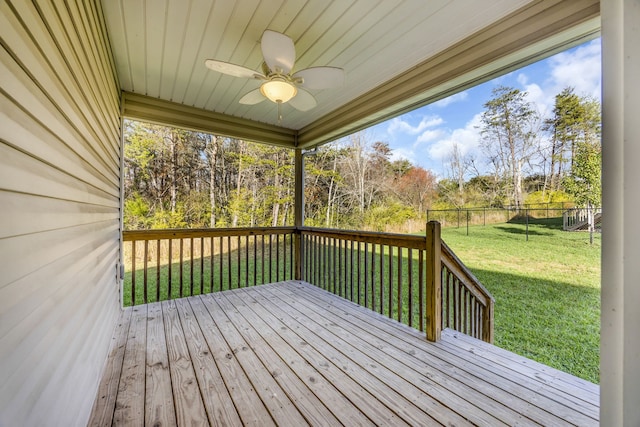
<point>620,309</point>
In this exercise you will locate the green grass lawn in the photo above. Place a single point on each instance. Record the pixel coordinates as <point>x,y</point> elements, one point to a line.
<point>547,290</point>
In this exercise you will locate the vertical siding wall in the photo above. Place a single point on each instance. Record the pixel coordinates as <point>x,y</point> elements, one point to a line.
<point>59,209</point>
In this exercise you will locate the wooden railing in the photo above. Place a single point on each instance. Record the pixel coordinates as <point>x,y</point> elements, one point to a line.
<point>576,218</point>
<point>416,280</point>
<point>384,272</point>
<point>466,305</point>
<point>166,264</point>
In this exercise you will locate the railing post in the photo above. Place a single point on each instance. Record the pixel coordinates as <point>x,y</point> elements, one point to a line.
<point>298,211</point>
<point>434,285</point>
<point>487,322</point>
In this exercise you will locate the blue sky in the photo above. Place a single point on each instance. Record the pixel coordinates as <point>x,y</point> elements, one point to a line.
<point>426,136</point>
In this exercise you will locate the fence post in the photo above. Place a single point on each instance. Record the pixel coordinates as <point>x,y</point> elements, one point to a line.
<point>434,282</point>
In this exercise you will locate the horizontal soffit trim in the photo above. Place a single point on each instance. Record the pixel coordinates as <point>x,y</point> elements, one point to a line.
<point>153,110</point>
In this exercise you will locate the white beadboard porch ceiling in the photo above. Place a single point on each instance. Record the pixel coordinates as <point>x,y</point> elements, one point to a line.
<point>160,46</point>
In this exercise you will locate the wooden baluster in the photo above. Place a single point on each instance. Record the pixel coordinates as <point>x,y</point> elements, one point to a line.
<point>410,289</point>
<point>133,272</point>
<point>373,276</point>
<point>255,260</point>
<point>317,262</point>
<point>351,270</point>
<point>357,270</point>
<point>262,261</point>
<point>277,257</point>
<point>270,259</point>
<point>144,272</point>
<point>158,270</point>
<point>201,265</point>
<point>339,274</point>
<point>399,284</point>
<point>365,275</point>
<point>390,295</point>
<point>170,272</point>
<point>421,285</point>
<point>181,266</point>
<point>191,267</point>
<point>229,274</point>
<point>447,298</point>
<point>239,253</point>
<point>381,275</point>
<point>211,264</point>
<point>220,264</point>
<point>292,263</point>
<point>246,260</point>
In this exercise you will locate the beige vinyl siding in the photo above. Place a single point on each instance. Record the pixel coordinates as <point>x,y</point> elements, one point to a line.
<point>59,209</point>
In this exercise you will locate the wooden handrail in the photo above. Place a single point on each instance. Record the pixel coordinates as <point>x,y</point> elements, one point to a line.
<point>396,239</point>
<point>183,233</point>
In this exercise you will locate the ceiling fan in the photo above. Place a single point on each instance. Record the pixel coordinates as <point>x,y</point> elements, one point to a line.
<point>279,84</point>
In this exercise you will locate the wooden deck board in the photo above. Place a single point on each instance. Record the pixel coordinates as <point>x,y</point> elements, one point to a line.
<point>514,384</point>
<point>129,406</point>
<point>292,354</point>
<point>103,408</point>
<point>396,360</point>
<point>273,359</point>
<point>158,406</point>
<point>317,385</point>
<point>188,402</point>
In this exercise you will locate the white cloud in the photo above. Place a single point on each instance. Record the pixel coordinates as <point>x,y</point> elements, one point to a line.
<point>402,125</point>
<point>580,69</point>
<point>403,153</point>
<point>522,79</point>
<point>429,135</point>
<point>467,139</point>
<point>461,96</point>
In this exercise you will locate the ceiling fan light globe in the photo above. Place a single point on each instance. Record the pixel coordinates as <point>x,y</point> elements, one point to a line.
<point>278,90</point>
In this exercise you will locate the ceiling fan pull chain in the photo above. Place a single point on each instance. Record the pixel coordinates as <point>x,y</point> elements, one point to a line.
<point>279,112</point>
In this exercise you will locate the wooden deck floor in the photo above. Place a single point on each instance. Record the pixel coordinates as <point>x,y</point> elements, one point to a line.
<point>291,354</point>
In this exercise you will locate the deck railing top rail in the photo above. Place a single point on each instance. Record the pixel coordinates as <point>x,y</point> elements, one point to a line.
<point>183,233</point>
<point>405,240</point>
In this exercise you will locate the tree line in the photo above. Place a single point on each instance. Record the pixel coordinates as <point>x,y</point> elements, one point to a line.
<point>177,178</point>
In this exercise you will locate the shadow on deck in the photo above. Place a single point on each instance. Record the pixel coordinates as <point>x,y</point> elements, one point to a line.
<point>292,354</point>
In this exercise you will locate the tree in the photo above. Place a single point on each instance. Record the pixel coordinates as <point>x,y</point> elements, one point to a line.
<point>508,136</point>
<point>416,187</point>
<point>584,183</point>
<point>575,120</point>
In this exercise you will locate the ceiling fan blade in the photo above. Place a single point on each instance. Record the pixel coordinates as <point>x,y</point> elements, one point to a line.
<point>252,98</point>
<point>278,51</point>
<point>303,100</point>
<point>232,69</point>
<point>320,77</point>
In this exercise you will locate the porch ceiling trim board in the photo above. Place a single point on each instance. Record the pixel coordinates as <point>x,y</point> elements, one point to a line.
<point>146,108</point>
<point>536,31</point>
